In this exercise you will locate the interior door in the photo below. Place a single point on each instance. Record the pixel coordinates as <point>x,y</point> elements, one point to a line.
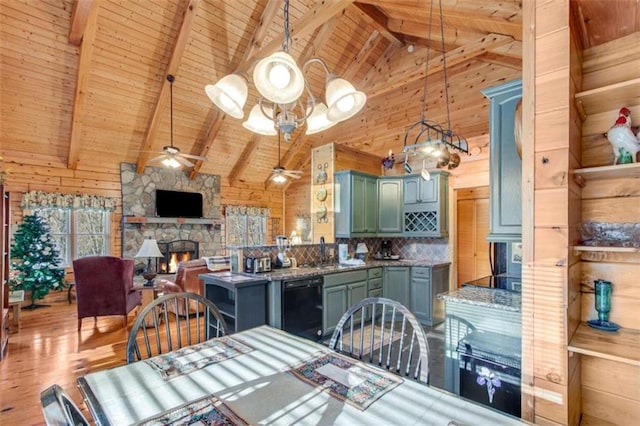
<point>472,247</point>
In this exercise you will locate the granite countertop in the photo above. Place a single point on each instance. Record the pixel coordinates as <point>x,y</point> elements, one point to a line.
<point>489,297</point>
<point>314,271</point>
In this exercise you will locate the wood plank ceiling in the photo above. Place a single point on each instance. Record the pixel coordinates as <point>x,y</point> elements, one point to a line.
<point>84,82</point>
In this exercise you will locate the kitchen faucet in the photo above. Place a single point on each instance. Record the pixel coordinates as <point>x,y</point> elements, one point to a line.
<point>322,251</point>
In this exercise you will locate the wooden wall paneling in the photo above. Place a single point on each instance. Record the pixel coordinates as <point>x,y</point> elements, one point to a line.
<point>574,391</point>
<point>616,409</point>
<point>599,123</point>
<point>615,210</point>
<point>547,216</point>
<point>620,379</point>
<point>551,169</point>
<point>323,156</point>
<point>612,188</point>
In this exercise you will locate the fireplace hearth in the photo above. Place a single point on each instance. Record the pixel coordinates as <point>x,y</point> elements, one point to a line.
<point>175,252</point>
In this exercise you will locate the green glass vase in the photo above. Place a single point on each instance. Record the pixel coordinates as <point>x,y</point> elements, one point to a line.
<point>603,299</point>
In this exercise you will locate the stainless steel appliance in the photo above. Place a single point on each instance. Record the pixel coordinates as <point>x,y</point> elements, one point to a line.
<point>302,307</point>
<point>385,248</point>
<point>255,265</point>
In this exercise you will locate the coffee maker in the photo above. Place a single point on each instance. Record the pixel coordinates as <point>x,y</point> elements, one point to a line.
<point>385,249</point>
<point>282,260</point>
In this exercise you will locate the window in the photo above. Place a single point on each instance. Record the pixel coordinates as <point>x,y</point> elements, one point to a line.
<point>78,232</point>
<point>246,226</point>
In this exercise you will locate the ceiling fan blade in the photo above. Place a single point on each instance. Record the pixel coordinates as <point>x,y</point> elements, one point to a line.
<point>183,161</point>
<point>293,174</point>
<point>158,158</point>
<point>194,157</point>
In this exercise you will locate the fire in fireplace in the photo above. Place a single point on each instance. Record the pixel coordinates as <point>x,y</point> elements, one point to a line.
<point>175,252</point>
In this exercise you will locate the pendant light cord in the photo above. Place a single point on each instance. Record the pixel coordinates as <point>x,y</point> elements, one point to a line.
<point>444,64</point>
<point>426,67</point>
<point>171,79</point>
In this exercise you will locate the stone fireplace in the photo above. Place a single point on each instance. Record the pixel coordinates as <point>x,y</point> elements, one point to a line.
<point>175,252</point>
<point>138,211</point>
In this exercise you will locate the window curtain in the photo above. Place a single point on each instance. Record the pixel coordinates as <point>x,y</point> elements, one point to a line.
<point>40,199</point>
<point>246,225</point>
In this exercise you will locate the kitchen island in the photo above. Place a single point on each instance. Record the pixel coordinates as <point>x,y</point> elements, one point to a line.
<point>488,318</point>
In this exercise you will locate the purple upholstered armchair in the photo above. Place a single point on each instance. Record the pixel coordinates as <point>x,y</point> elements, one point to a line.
<point>104,286</point>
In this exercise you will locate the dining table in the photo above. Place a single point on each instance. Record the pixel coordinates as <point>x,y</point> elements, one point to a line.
<point>267,376</point>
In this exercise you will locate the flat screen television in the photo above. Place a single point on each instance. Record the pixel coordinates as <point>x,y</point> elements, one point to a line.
<point>178,204</point>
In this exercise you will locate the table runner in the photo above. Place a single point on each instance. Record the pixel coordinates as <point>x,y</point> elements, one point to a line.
<point>205,411</point>
<point>186,360</point>
<point>346,379</point>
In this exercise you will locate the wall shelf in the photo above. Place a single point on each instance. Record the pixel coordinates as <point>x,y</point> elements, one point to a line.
<point>175,220</point>
<point>618,171</point>
<point>621,346</point>
<point>607,98</point>
<point>607,249</point>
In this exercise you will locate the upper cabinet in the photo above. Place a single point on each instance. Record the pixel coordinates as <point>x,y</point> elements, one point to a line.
<point>505,163</point>
<point>390,206</point>
<point>356,209</point>
<point>425,205</point>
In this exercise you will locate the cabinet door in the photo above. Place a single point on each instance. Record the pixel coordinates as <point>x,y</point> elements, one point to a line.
<point>390,203</point>
<point>334,304</point>
<point>358,204</point>
<point>374,293</point>
<point>355,293</point>
<point>396,284</point>
<point>421,298</point>
<point>428,190</point>
<point>412,189</point>
<point>370,205</point>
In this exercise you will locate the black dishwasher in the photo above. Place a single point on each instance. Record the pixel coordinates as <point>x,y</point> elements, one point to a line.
<point>302,307</point>
<point>490,370</point>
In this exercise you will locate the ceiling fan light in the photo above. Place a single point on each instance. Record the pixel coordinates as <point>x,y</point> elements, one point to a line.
<point>317,120</point>
<point>279,178</point>
<point>170,162</point>
<point>278,78</point>
<point>229,94</point>
<point>259,123</point>
<point>343,100</point>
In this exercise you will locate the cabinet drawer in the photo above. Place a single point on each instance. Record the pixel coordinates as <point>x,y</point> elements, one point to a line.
<point>375,273</point>
<point>375,283</point>
<point>420,272</point>
<point>345,278</point>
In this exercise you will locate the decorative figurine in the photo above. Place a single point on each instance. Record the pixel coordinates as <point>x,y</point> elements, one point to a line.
<point>622,138</point>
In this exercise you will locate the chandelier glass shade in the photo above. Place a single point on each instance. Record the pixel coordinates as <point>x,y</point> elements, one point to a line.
<point>281,84</point>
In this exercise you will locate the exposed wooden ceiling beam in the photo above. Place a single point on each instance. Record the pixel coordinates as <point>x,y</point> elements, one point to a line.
<point>79,18</point>
<point>255,45</point>
<point>188,18</point>
<point>379,22</point>
<point>84,62</point>
<point>504,61</point>
<point>361,57</point>
<point>244,160</point>
<point>408,69</point>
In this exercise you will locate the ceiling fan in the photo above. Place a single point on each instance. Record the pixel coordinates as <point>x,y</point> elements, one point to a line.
<point>279,174</point>
<point>171,155</point>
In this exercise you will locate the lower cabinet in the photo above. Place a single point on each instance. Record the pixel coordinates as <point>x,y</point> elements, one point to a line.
<point>339,292</point>
<point>426,284</point>
<point>396,284</point>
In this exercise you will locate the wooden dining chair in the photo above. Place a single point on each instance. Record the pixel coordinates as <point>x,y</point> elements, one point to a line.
<point>59,410</point>
<point>384,332</point>
<point>159,329</point>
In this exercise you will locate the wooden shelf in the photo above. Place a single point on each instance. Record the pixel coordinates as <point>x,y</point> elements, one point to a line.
<point>607,249</point>
<point>631,170</point>
<point>176,220</point>
<point>621,346</point>
<point>608,98</point>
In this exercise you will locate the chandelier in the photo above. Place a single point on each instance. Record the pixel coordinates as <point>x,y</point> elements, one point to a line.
<point>426,137</point>
<point>281,85</point>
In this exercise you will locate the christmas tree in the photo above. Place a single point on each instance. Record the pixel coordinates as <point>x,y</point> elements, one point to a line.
<point>36,260</point>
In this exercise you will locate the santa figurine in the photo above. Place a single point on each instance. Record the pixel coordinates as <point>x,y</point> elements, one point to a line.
<point>625,144</point>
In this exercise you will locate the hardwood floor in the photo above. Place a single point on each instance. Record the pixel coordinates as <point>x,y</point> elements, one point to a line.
<point>47,350</point>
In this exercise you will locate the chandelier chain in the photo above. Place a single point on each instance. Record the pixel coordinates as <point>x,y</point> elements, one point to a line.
<point>285,44</point>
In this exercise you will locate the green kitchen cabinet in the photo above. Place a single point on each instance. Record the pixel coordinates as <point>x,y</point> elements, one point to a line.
<point>339,292</point>
<point>426,283</point>
<point>390,206</point>
<point>396,284</point>
<point>505,165</point>
<point>426,205</point>
<point>356,204</point>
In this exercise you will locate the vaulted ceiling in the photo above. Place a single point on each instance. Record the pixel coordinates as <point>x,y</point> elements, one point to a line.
<point>84,81</point>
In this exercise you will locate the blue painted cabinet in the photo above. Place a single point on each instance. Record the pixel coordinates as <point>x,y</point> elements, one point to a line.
<point>505,215</point>
<point>356,204</point>
<point>396,284</point>
<point>390,206</point>
<point>426,202</point>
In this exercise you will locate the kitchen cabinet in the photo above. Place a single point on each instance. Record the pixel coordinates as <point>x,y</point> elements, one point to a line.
<point>339,292</point>
<point>356,204</point>
<point>426,284</point>
<point>390,206</point>
<point>426,205</point>
<point>241,300</point>
<point>505,175</point>
<point>396,284</point>
<point>374,286</point>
